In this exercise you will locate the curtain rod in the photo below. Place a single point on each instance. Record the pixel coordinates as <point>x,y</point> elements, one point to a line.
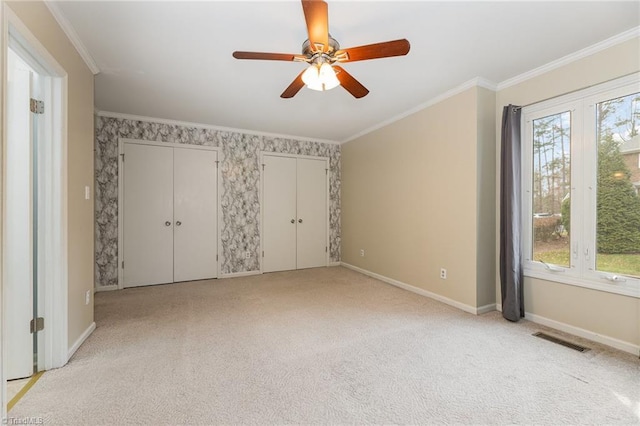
<point>574,91</point>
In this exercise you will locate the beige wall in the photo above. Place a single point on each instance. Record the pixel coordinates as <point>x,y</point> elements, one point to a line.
<point>36,16</point>
<point>420,194</point>
<point>410,198</point>
<point>486,198</point>
<point>606,314</point>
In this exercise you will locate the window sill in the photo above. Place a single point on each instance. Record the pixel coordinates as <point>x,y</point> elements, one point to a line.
<point>625,289</point>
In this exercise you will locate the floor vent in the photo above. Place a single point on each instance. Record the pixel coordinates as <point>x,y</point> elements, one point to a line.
<point>560,342</point>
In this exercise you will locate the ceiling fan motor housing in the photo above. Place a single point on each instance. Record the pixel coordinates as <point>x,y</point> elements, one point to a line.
<point>312,52</point>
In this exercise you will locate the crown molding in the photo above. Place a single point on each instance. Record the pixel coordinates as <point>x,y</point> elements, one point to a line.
<point>72,35</point>
<point>572,57</point>
<point>482,82</point>
<point>475,82</point>
<point>207,126</point>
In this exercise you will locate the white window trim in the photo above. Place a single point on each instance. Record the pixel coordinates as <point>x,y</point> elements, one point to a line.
<point>582,271</point>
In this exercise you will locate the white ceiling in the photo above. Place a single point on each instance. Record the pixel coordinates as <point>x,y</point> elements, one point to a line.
<point>172,60</point>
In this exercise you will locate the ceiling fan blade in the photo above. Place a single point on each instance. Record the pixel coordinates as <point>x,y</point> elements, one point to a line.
<point>374,51</point>
<point>316,13</point>
<point>294,87</point>
<point>352,85</point>
<point>266,56</point>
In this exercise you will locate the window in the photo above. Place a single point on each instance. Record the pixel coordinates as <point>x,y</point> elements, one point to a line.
<point>581,208</point>
<point>551,186</point>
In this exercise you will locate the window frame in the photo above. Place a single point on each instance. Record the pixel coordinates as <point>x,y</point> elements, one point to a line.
<point>583,150</point>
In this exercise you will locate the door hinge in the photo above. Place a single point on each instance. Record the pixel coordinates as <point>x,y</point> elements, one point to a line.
<point>122,155</point>
<point>326,249</point>
<point>36,325</point>
<point>263,167</point>
<point>262,253</point>
<point>216,257</point>
<point>217,163</point>
<point>123,264</point>
<point>36,106</point>
<point>326,171</point>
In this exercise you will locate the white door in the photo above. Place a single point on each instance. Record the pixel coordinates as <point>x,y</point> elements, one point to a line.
<point>312,213</point>
<point>18,231</point>
<point>279,215</point>
<point>195,212</point>
<point>148,215</point>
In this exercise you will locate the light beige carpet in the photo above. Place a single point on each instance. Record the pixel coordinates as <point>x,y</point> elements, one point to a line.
<point>323,346</point>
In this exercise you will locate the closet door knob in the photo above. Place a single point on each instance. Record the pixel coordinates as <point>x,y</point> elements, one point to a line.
<point>178,223</point>
<point>167,223</point>
<point>299,220</point>
<point>293,221</point>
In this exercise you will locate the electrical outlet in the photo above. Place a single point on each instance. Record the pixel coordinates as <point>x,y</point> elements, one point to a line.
<point>87,297</point>
<point>247,255</point>
<point>443,273</point>
<point>361,252</point>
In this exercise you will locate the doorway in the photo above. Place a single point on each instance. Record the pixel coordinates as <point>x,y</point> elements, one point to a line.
<point>33,188</point>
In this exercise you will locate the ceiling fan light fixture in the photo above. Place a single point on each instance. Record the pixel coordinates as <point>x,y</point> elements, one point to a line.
<point>325,56</point>
<point>328,77</point>
<point>320,77</point>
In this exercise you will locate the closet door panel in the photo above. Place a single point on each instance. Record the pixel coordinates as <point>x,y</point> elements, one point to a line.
<point>195,213</point>
<point>279,203</point>
<point>148,215</point>
<point>312,213</point>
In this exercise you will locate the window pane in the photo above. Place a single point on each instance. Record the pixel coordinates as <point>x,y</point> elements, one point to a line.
<point>551,188</point>
<point>618,206</point>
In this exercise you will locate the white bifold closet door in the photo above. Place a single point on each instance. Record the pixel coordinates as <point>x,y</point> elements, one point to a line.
<point>148,215</point>
<point>195,243</point>
<point>312,213</point>
<point>295,213</point>
<point>280,218</point>
<point>170,214</point>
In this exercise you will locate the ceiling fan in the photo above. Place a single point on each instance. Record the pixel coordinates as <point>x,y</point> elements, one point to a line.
<point>322,52</point>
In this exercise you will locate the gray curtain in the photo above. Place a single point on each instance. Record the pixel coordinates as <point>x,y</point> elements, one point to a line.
<point>511,277</point>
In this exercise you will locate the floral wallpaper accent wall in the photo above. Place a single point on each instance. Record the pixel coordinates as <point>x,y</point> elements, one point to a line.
<point>240,202</point>
<point>239,158</point>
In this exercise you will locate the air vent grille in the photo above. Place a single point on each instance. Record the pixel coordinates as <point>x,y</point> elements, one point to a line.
<point>559,341</point>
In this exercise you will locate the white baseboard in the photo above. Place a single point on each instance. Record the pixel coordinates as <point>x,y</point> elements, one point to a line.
<point>106,288</point>
<point>334,263</point>
<point>422,292</point>
<point>486,308</point>
<point>581,332</point>
<point>240,274</point>
<point>81,340</point>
